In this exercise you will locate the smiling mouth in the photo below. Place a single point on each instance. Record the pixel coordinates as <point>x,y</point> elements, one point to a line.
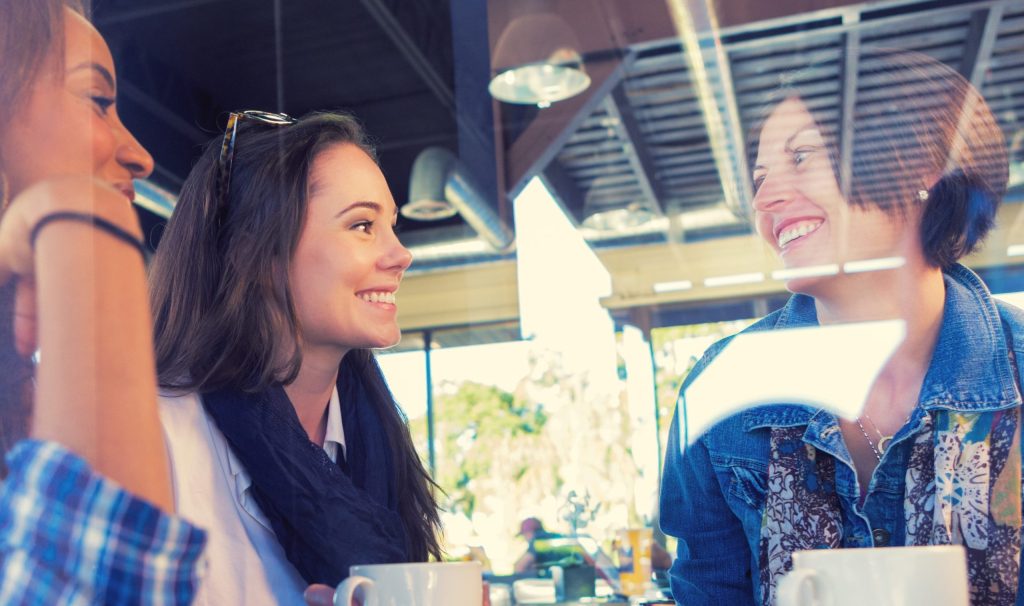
<point>378,297</point>
<point>127,190</point>
<point>797,230</point>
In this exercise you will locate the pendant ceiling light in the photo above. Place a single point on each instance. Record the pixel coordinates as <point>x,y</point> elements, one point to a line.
<point>537,62</point>
<point>440,187</point>
<point>610,207</point>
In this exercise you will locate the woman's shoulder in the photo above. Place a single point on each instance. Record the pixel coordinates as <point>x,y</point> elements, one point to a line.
<point>181,413</point>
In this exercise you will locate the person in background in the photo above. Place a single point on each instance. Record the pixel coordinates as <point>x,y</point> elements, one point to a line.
<point>86,477</point>
<point>935,456</point>
<point>531,529</point>
<point>275,278</point>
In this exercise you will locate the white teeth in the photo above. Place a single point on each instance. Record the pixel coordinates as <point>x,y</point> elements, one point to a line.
<point>800,229</point>
<point>378,297</point>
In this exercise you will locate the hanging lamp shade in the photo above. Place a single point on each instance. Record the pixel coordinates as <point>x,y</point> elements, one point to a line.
<point>606,209</point>
<point>537,62</point>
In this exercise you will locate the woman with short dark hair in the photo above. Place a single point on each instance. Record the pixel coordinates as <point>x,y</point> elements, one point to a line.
<point>275,279</point>
<point>934,457</point>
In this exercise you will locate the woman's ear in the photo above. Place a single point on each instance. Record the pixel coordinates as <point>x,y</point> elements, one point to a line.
<point>927,184</point>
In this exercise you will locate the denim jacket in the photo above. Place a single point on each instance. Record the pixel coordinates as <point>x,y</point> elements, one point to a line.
<point>713,492</point>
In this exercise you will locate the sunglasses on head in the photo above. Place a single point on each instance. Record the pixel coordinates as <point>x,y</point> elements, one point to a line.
<point>227,147</point>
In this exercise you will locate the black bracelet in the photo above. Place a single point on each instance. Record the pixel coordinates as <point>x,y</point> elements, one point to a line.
<point>97,222</point>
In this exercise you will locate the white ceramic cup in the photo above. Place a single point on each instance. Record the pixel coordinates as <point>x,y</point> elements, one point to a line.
<point>416,584</point>
<point>880,576</point>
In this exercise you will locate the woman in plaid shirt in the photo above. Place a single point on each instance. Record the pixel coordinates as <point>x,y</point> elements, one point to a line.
<point>80,522</point>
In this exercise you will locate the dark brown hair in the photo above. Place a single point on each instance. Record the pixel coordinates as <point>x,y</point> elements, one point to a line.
<point>220,295</point>
<point>918,126</point>
<point>29,31</point>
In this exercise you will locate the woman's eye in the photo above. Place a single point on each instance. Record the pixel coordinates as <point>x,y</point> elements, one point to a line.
<point>102,103</point>
<point>758,180</point>
<point>363,226</point>
<point>802,154</point>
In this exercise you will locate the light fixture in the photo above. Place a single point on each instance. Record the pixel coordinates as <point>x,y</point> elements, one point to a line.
<point>440,186</point>
<point>673,286</point>
<point>536,62</point>
<point>427,201</point>
<point>855,267</point>
<point>632,215</point>
<point>605,211</point>
<point>734,279</point>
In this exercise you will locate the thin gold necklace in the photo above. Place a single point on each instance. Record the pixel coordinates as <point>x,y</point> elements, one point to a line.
<point>874,449</point>
<point>884,440</point>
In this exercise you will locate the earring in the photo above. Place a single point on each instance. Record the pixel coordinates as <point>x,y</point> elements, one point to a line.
<point>922,194</point>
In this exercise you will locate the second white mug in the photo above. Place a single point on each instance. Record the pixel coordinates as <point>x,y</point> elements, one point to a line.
<point>415,584</point>
<point>880,576</point>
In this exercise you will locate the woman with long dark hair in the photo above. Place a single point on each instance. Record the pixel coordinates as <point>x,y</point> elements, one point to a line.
<point>273,281</point>
<point>935,456</point>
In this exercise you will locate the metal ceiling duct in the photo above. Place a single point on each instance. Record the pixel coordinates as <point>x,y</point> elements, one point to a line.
<point>439,179</point>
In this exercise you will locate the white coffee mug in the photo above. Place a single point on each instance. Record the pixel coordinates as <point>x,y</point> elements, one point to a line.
<point>880,576</point>
<point>416,584</point>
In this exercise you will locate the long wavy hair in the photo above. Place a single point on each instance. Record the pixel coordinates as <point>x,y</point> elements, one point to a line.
<point>918,126</point>
<point>29,31</point>
<point>220,288</point>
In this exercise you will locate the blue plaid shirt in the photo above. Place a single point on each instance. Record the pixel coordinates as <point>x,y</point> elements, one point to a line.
<point>69,536</point>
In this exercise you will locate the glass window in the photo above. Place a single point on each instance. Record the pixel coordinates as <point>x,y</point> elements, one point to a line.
<point>590,192</point>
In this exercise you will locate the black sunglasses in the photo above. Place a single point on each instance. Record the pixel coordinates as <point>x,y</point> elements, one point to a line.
<point>227,148</point>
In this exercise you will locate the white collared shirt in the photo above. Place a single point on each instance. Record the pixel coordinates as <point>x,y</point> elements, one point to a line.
<point>212,490</point>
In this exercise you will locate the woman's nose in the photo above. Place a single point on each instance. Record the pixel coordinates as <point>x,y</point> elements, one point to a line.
<point>773,191</point>
<point>132,155</point>
<point>397,257</point>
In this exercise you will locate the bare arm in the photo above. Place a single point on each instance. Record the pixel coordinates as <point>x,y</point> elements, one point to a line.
<point>86,292</point>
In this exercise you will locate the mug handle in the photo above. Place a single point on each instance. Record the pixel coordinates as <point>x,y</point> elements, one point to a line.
<point>788,592</point>
<point>346,591</point>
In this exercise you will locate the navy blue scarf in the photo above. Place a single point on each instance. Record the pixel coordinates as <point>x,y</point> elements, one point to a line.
<point>325,518</point>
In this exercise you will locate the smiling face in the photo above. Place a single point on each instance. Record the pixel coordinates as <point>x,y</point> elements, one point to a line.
<point>348,262</point>
<point>801,211</point>
<point>67,123</point>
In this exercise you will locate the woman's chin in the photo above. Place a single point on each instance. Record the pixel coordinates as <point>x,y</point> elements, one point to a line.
<point>805,285</point>
<point>807,274</point>
<point>386,341</point>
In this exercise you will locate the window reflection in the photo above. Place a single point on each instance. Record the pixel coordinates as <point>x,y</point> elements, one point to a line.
<point>650,172</point>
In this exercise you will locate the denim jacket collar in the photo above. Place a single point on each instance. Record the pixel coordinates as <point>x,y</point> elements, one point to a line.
<point>970,369</point>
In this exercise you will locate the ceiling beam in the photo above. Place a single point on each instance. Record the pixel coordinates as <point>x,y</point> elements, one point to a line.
<point>711,76</point>
<point>848,100</point>
<point>807,36</point>
<point>603,30</point>
<point>980,40</point>
<point>618,107</point>
<point>401,39</point>
<point>565,190</point>
<point>538,145</point>
<point>152,11</point>
<point>469,105</point>
<point>475,114</point>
